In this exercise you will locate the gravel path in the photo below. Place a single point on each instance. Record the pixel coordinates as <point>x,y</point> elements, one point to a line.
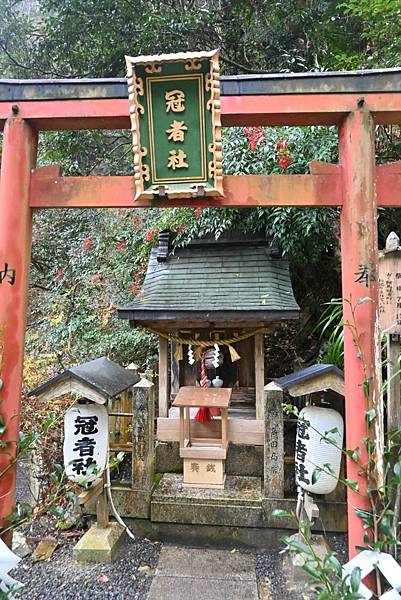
<point>128,577</point>
<point>271,578</point>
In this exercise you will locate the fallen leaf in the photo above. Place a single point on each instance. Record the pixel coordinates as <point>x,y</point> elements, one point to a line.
<point>75,533</point>
<point>45,549</point>
<point>144,569</point>
<point>103,579</point>
<point>233,551</point>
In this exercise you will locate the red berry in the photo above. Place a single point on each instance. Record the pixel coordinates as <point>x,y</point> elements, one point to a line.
<point>121,246</point>
<point>59,275</point>
<point>87,244</point>
<point>137,222</point>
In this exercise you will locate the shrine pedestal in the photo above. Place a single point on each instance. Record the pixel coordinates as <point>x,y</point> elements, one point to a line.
<point>204,472</point>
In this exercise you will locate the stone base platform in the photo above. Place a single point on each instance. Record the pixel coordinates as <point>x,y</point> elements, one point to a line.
<point>237,516</point>
<point>99,544</point>
<point>238,504</point>
<point>209,536</point>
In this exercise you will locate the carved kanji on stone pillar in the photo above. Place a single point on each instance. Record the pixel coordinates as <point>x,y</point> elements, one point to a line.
<point>143,447</point>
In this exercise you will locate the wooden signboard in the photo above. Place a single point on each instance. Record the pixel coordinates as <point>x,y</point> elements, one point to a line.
<point>176,127</point>
<point>390,287</point>
<point>390,324</point>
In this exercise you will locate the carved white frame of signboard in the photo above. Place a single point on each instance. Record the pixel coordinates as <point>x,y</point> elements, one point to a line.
<point>145,187</point>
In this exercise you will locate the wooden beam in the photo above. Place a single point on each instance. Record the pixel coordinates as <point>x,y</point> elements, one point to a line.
<point>240,431</point>
<point>321,188</point>
<point>174,370</point>
<point>308,109</point>
<point>53,115</point>
<point>87,496</point>
<point>260,375</point>
<point>126,421</point>
<point>388,184</point>
<point>102,507</point>
<point>239,190</point>
<point>163,377</point>
<point>278,109</point>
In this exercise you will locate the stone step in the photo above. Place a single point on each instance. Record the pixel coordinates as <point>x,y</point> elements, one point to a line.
<point>239,504</point>
<point>194,573</point>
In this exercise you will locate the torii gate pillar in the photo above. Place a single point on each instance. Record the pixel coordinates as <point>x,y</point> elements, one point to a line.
<point>18,159</point>
<point>359,255</point>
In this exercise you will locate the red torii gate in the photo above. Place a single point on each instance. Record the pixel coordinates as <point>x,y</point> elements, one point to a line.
<point>355,102</point>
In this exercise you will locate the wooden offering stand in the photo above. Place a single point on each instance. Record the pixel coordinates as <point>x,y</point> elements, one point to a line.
<point>204,457</point>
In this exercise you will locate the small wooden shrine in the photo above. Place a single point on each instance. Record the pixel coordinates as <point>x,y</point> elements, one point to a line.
<point>227,292</point>
<point>211,304</point>
<point>204,457</point>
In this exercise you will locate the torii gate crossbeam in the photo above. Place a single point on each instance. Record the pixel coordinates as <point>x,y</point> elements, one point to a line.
<point>355,102</point>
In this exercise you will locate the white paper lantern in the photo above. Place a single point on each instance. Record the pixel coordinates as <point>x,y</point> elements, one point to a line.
<point>86,430</point>
<point>311,451</point>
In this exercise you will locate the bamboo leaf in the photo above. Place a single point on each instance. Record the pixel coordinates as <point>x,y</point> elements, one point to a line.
<point>355,579</point>
<point>316,475</point>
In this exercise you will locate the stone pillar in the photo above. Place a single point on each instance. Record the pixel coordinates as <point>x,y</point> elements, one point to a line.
<point>274,442</point>
<point>143,447</point>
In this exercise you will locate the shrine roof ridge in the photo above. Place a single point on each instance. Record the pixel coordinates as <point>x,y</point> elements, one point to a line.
<point>102,375</point>
<point>320,82</point>
<point>307,374</point>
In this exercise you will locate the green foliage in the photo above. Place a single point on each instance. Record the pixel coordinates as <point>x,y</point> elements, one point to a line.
<point>331,329</point>
<point>380,21</point>
<point>74,38</point>
<point>326,579</point>
<point>304,143</point>
<point>302,234</point>
<point>87,262</point>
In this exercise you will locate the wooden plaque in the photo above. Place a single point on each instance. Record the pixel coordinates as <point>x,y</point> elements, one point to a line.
<point>176,128</point>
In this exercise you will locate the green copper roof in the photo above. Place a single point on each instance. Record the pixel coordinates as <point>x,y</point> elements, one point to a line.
<point>225,279</point>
